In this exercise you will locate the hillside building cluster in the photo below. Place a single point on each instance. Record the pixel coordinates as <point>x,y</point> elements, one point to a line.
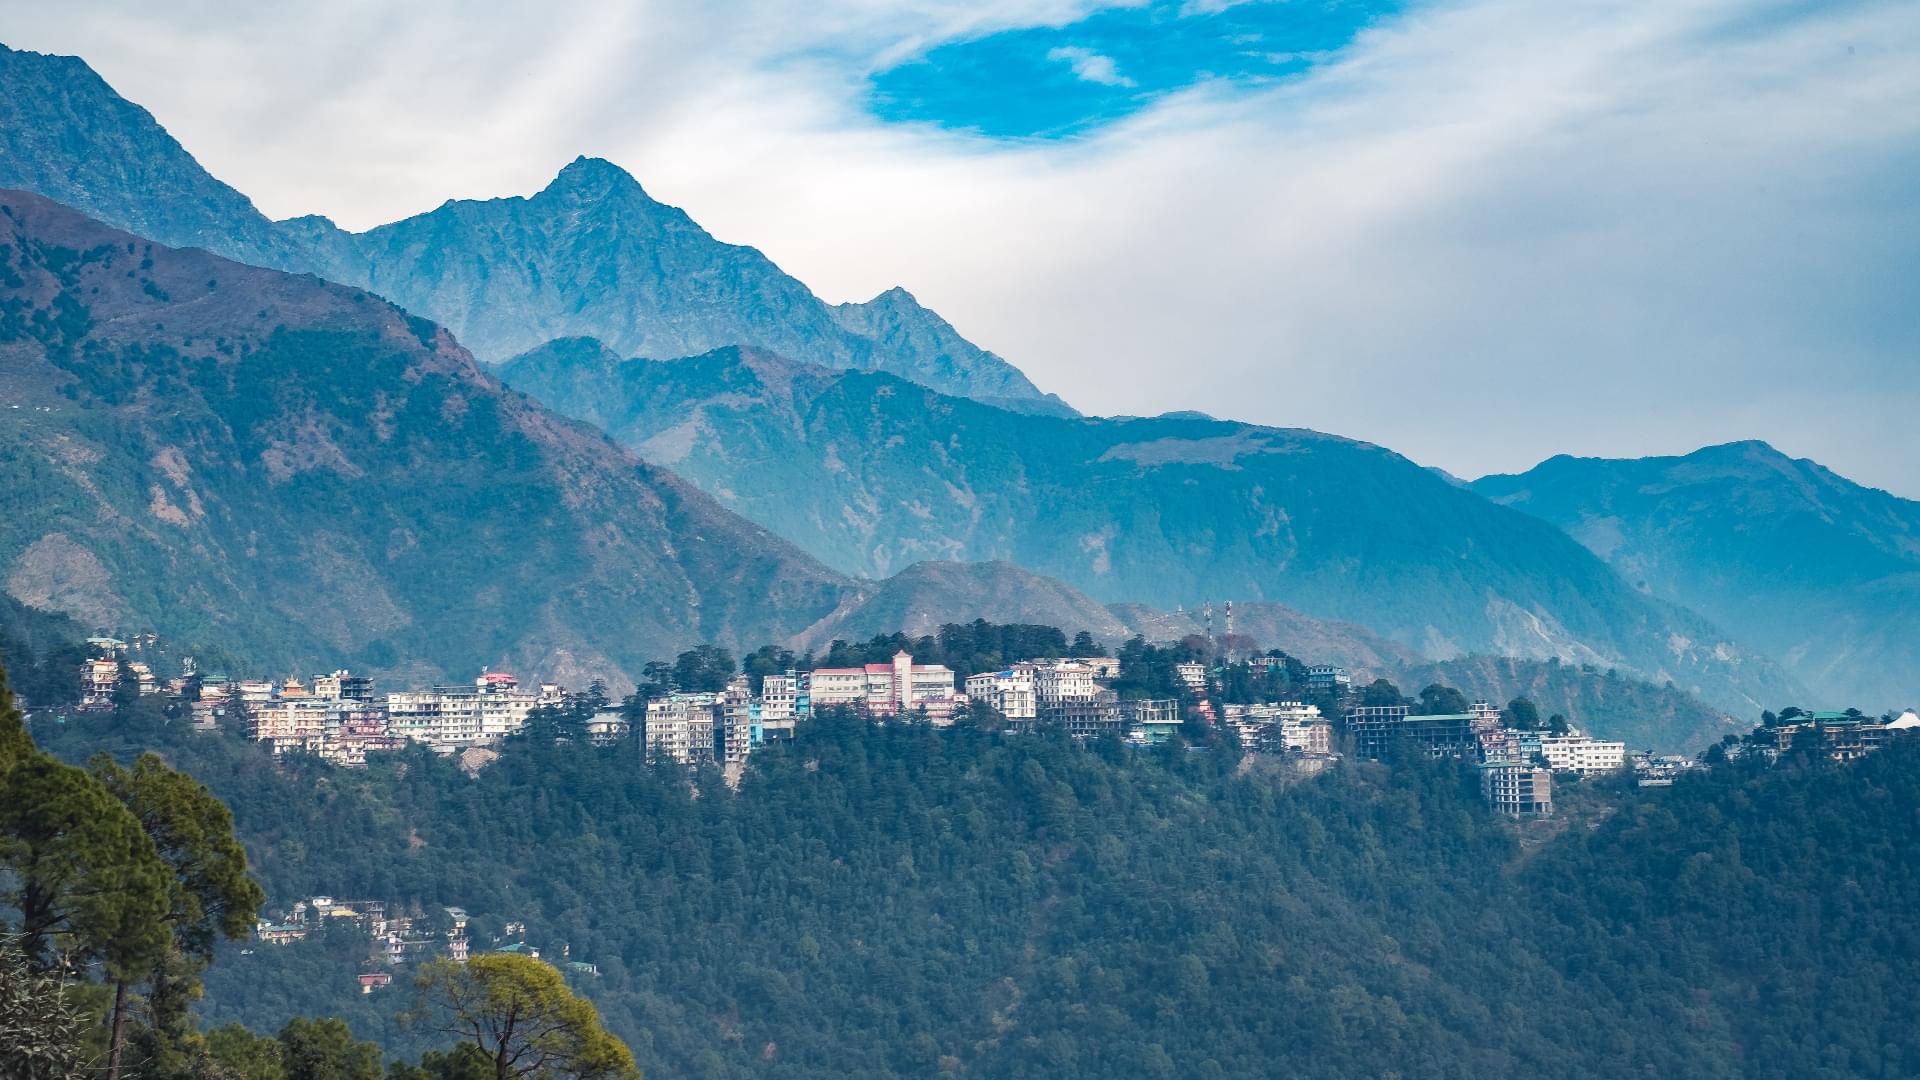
<point>394,940</point>
<point>341,718</point>
<point>1516,766</point>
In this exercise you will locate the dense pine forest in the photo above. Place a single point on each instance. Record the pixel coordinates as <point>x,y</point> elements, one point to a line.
<point>899,900</point>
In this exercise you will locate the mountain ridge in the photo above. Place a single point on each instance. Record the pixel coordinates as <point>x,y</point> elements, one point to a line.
<point>331,478</point>
<point>870,474</point>
<point>503,274</point>
<point>1825,571</point>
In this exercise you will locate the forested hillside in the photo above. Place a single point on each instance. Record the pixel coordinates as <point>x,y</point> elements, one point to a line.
<point>900,900</point>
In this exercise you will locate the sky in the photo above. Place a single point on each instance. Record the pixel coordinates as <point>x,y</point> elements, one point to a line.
<point>1479,232</point>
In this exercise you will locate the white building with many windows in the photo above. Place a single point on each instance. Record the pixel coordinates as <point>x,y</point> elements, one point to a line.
<point>1578,753</point>
<point>1010,692</point>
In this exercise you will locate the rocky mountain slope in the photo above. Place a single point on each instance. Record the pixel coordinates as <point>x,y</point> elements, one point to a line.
<point>304,474</point>
<point>1817,570</point>
<point>65,134</point>
<point>591,254</point>
<point>871,473</point>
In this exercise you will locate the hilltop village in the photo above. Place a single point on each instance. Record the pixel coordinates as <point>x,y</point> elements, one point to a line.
<point>340,717</point>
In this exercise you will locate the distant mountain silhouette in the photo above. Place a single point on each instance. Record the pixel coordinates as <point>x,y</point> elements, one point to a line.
<point>1816,569</point>
<point>871,474</point>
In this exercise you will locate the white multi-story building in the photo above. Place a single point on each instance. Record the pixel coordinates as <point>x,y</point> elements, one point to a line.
<point>1281,725</point>
<point>1192,676</point>
<point>1104,668</point>
<point>98,677</point>
<point>733,722</point>
<point>1062,681</point>
<point>887,689</point>
<point>680,728</point>
<point>292,724</point>
<point>450,718</point>
<point>836,687</point>
<point>779,705</point>
<point>1010,692</point>
<point>1577,753</point>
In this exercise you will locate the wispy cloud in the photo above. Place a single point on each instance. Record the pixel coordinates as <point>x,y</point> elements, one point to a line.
<point>1481,233</point>
<point>1088,65</point>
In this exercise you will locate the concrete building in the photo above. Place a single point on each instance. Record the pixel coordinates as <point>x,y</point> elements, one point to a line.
<point>779,707</point>
<point>1577,753</point>
<point>1088,717</point>
<point>886,690</point>
<point>733,723</point>
<point>450,718</point>
<point>1378,730</point>
<point>1011,692</point>
<point>680,728</point>
<point>1517,789</point>
<point>98,678</point>
<point>1277,727</point>
<point>1057,681</point>
<point>1151,720</point>
<point>1327,679</point>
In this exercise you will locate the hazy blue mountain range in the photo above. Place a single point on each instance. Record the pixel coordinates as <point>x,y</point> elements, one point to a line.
<point>1822,573</point>
<point>590,254</point>
<point>301,473</point>
<point>871,473</point>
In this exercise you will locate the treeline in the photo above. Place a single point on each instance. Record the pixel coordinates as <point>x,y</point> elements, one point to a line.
<point>898,900</point>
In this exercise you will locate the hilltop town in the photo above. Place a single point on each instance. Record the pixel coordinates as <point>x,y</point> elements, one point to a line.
<point>1308,715</point>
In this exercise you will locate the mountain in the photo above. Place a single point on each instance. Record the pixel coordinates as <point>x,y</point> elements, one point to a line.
<point>593,254</point>
<point>302,474</point>
<point>65,134</point>
<point>919,599</point>
<point>590,254</point>
<point>929,351</point>
<point>871,473</point>
<point>1276,626</point>
<point>1813,568</point>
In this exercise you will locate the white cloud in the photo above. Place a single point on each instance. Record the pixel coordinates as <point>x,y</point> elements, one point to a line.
<point>1088,66</point>
<point>1490,231</point>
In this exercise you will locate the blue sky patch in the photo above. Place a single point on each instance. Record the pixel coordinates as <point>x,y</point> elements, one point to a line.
<point>1052,82</point>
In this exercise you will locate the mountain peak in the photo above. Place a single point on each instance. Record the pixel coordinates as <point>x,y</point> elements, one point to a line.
<point>593,175</point>
<point>897,297</point>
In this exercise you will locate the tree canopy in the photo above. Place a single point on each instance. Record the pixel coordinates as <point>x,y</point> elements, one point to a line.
<point>523,1018</point>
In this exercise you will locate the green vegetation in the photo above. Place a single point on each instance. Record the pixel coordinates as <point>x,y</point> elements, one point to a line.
<point>117,880</point>
<point>522,1017</point>
<point>902,900</point>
